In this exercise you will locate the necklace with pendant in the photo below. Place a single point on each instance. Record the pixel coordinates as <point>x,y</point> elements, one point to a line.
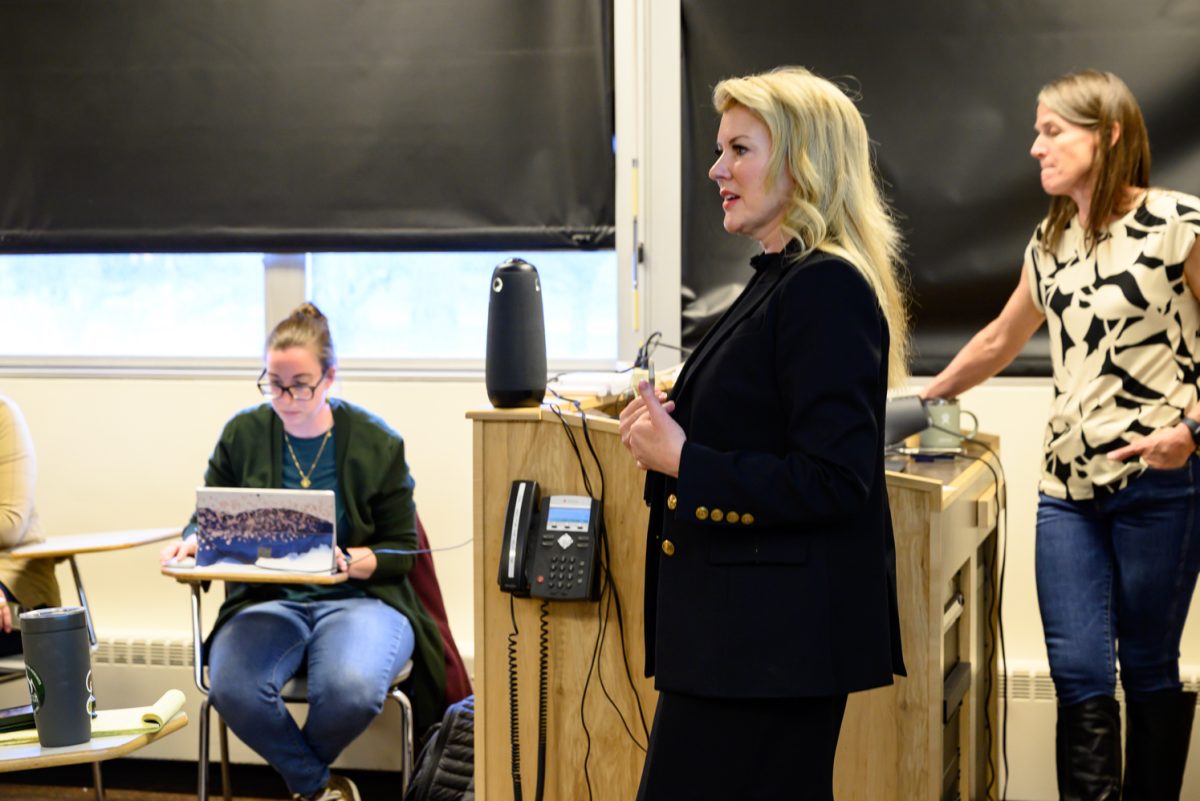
<point>305,478</point>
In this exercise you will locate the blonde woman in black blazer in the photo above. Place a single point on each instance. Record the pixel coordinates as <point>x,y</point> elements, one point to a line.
<point>770,563</point>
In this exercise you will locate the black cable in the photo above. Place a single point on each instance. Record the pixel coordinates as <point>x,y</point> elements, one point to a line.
<point>637,698</point>
<point>587,734</point>
<point>587,482</point>
<point>652,343</point>
<point>514,708</point>
<point>602,617</point>
<point>998,596</point>
<point>616,598</point>
<point>587,438</point>
<point>543,682</point>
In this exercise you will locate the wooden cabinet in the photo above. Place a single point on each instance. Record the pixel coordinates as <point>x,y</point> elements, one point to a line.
<point>895,743</point>
<point>891,746</point>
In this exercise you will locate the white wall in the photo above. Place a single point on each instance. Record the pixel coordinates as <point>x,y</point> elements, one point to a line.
<point>116,453</point>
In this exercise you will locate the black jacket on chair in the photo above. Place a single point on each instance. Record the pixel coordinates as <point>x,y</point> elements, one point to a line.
<point>770,561</point>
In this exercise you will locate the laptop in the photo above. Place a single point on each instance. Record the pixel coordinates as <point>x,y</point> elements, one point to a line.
<point>291,531</point>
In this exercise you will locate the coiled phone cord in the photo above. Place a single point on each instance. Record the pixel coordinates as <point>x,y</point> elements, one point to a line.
<point>514,708</point>
<point>543,693</point>
<point>543,684</point>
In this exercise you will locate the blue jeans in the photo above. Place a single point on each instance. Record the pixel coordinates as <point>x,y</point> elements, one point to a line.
<point>1115,576</point>
<point>350,648</point>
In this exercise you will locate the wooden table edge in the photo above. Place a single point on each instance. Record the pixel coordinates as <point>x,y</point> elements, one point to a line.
<point>191,575</point>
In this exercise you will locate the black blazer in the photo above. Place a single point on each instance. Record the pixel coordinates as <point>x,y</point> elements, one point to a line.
<point>770,562</point>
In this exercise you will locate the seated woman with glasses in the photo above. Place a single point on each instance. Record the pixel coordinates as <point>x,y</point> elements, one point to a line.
<point>351,638</point>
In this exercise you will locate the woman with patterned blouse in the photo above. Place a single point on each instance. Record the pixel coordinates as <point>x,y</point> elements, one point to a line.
<point>1114,270</point>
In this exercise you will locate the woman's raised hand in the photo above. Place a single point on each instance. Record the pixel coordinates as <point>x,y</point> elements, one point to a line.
<point>649,432</point>
<point>637,409</point>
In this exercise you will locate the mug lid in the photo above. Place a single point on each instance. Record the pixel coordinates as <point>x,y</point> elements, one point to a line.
<point>55,618</point>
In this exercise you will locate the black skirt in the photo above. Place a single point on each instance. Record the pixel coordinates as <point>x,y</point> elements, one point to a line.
<point>777,749</point>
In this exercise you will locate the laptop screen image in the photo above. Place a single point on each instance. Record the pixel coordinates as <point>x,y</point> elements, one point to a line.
<point>270,529</point>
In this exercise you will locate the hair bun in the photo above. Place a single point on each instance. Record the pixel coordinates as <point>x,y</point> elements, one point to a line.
<point>305,327</point>
<point>308,309</point>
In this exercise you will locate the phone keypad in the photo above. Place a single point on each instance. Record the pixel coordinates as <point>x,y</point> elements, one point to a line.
<point>566,573</point>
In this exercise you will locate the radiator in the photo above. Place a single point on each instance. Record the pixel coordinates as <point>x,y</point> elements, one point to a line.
<point>1031,682</point>
<point>1032,706</point>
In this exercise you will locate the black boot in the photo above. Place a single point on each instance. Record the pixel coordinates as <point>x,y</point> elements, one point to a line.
<point>1156,745</point>
<point>1089,750</point>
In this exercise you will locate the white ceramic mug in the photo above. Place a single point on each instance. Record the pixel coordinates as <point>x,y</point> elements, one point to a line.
<point>945,418</point>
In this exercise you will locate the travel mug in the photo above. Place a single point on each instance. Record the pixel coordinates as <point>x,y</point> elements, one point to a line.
<point>58,668</point>
<point>945,421</point>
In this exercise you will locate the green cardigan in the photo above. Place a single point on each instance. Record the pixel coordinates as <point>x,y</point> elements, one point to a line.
<point>376,490</point>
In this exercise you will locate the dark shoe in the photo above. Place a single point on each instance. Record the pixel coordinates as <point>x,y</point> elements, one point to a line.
<point>1089,750</point>
<point>1156,745</point>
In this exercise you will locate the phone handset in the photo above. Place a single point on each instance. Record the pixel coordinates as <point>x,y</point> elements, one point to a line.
<point>519,520</point>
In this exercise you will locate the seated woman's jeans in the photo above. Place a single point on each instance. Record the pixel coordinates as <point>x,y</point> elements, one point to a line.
<point>1115,576</point>
<point>352,649</point>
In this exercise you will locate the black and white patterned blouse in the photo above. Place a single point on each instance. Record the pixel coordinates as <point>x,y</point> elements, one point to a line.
<point>1124,339</point>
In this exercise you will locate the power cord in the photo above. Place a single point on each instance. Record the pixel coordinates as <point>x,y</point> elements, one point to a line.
<point>415,551</point>
<point>652,343</point>
<point>614,598</point>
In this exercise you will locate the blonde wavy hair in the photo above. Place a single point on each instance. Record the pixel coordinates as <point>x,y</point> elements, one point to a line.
<point>837,206</point>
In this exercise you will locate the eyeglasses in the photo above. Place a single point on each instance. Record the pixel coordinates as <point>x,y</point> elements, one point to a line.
<point>300,392</point>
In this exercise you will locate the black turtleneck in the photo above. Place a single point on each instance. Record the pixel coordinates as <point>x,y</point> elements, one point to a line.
<point>764,264</point>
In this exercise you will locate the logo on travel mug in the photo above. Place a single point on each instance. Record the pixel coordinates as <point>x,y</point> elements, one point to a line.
<point>91,699</point>
<point>37,688</point>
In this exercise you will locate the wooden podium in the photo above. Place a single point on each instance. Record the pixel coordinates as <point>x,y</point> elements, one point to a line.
<point>895,743</point>
<point>892,739</point>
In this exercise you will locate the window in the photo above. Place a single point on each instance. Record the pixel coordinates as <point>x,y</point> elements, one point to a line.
<point>384,308</point>
<point>149,305</point>
<point>434,305</point>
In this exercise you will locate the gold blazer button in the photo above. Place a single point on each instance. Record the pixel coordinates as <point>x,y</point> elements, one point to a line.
<point>731,517</point>
<point>717,515</point>
<point>747,519</point>
<point>701,512</point>
<point>672,502</point>
<point>668,547</point>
